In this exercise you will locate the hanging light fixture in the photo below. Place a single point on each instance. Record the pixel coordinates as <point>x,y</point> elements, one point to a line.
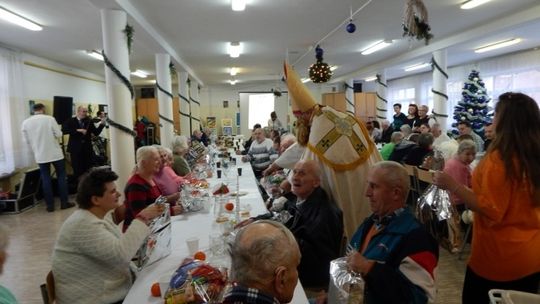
<point>238,5</point>
<point>19,20</point>
<point>234,49</point>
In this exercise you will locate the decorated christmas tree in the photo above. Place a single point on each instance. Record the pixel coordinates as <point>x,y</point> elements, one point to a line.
<point>474,105</point>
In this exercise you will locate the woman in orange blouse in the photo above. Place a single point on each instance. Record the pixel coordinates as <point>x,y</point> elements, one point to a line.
<point>505,198</point>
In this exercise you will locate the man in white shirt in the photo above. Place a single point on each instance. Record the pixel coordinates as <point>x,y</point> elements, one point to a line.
<point>41,131</point>
<point>274,123</point>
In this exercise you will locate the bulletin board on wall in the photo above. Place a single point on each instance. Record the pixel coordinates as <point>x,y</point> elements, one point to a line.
<point>227,126</point>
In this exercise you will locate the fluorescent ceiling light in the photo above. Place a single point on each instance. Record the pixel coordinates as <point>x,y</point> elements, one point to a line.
<point>417,66</point>
<point>333,68</point>
<point>379,45</point>
<point>304,80</point>
<point>473,3</point>
<point>233,71</point>
<point>497,45</point>
<point>233,82</point>
<point>238,5</point>
<point>371,78</point>
<point>95,54</point>
<point>19,20</point>
<point>234,49</point>
<point>139,74</point>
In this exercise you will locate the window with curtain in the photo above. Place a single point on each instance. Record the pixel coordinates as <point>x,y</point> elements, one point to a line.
<point>518,72</point>
<point>14,153</point>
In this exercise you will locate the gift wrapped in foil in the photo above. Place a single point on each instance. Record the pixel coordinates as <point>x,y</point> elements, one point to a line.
<point>434,206</point>
<point>346,287</point>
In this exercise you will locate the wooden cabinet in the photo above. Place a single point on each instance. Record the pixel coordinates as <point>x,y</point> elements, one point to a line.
<point>365,105</point>
<point>149,108</point>
<point>335,100</point>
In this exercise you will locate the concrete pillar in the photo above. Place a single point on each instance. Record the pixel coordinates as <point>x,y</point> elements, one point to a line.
<point>349,95</point>
<point>119,97</point>
<point>164,89</point>
<point>185,110</point>
<point>195,105</point>
<point>382,100</point>
<point>440,78</point>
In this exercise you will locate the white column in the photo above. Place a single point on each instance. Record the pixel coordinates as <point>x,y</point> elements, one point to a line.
<point>440,98</point>
<point>119,98</point>
<point>185,116</point>
<point>163,80</point>
<point>382,100</point>
<point>349,96</point>
<point>195,105</point>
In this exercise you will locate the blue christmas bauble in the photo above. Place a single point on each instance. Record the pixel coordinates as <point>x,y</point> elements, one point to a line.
<point>351,28</point>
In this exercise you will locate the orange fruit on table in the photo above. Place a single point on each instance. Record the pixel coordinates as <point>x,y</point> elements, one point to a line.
<point>155,290</point>
<point>199,255</point>
<point>229,206</point>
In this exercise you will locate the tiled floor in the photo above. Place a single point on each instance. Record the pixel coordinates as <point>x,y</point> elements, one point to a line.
<point>32,239</point>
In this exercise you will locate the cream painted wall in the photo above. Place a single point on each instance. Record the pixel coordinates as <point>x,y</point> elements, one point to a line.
<point>212,102</point>
<point>43,83</point>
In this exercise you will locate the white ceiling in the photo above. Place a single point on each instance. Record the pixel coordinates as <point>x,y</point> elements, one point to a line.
<point>197,31</point>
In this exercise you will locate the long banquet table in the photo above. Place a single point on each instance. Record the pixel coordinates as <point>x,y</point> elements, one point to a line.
<point>201,225</point>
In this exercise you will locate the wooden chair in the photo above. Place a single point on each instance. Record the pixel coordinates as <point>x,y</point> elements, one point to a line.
<point>414,190</point>
<point>47,290</point>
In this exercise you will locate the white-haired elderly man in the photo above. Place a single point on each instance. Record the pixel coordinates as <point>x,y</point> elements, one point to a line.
<point>264,258</point>
<point>394,254</point>
<point>316,222</point>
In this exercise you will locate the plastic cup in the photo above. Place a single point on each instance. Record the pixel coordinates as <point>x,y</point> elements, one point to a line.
<point>216,244</point>
<point>164,282</point>
<point>218,173</point>
<point>193,245</point>
<point>239,171</point>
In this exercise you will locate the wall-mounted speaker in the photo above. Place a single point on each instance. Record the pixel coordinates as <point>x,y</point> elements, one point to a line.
<point>357,87</point>
<point>62,108</point>
<point>147,93</point>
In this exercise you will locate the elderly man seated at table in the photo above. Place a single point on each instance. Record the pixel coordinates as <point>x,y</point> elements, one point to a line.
<point>91,258</point>
<point>259,152</point>
<point>394,254</point>
<point>141,189</point>
<point>316,222</point>
<point>264,258</point>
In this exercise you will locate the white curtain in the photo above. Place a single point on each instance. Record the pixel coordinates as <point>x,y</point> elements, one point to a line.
<point>14,152</point>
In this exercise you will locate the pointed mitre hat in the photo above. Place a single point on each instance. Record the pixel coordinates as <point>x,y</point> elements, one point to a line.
<point>301,98</point>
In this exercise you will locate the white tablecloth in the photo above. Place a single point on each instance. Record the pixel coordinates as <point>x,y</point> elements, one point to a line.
<point>201,225</point>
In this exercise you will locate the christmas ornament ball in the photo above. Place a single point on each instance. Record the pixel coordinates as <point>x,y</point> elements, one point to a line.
<point>463,118</point>
<point>470,110</point>
<point>475,79</point>
<point>351,28</point>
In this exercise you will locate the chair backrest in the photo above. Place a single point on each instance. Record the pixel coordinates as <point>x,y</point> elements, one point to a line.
<point>424,175</point>
<point>51,293</point>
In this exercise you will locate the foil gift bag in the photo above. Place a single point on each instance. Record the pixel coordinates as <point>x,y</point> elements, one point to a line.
<point>158,244</point>
<point>345,287</point>
<point>434,206</point>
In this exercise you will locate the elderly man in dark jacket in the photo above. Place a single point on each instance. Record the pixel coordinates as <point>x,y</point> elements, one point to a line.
<point>316,222</point>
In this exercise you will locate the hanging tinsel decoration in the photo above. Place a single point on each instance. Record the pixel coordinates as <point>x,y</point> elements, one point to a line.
<point>128,30</point>
<point>319,72</point>
<point>172,69</point>
<point>415,21</point>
